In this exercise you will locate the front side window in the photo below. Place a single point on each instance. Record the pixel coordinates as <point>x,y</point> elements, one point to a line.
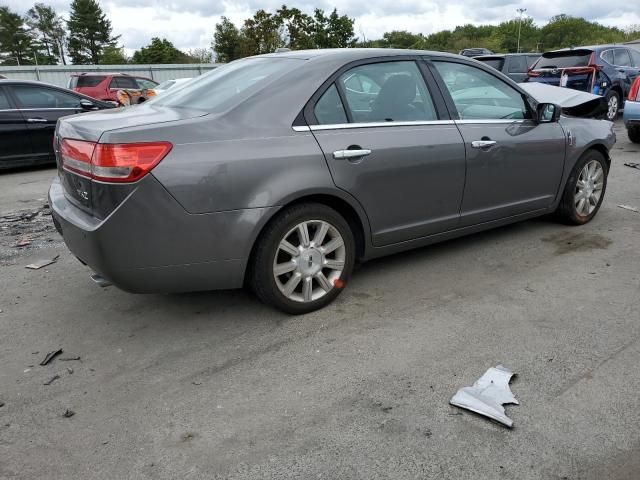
<point>387,92</point>
<point>4,101</point>
<point>479,95</point>
<point>88,81</point>
<point>37,97</point>
<point>635,57</point>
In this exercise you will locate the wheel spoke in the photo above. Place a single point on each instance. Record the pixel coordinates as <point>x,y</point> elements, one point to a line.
<point>290,249</point>
<point>323,281</point>
<point>320,234</point>
<point>597,174</point>
<point>282,268</point>
<point>291,284</point>
<point>303,234</point>
<point>586,206</point>
<point>580,183</point>
<point>334,264</point>
<point>579,195</point>
<point>333,245</point>
<point>307,289</point>
<point>580,205</point>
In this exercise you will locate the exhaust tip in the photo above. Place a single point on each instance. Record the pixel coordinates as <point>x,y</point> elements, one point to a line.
<point>100,280</point>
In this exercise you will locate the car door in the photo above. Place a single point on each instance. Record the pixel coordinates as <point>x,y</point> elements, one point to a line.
<point>514,164</point>
<point>624,66</point>
<point>41,107</point>
<point>635,60</point>
<point>14,136</point>
<point>388,142</point>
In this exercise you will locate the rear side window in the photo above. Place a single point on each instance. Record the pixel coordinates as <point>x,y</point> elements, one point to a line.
<point>635,57</point>
<point>565,59</point>
<point>531,59</point>
<point>37,97</point>
<point>124,82</point>
<point>496,63</point>
<point>621,57</point>
<point>329,109</point>
<point>229,85</point>
<point>518,64</point>
<point>4,101</point>
<point>88,81</point>
<point>387,92</point>
<point>607,56</point>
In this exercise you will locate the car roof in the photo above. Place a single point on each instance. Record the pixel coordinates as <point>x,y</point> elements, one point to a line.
<point>595,48</point>
<point>353,53</point>
<point>101,74</point>
<point>6,81</point>
<point>504,55</point>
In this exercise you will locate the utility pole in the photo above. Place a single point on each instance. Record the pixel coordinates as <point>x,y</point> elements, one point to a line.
<point>520,11</point>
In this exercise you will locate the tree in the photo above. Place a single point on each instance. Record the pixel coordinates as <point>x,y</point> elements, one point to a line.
<point>113,55</point>
<point>295,28</point>
<point>226,41</point>
<point>334,31</point>
<point>261,34</point>
<point>89,32</point>
<point>16,45</point>
<point>201,55</point>
<point>48,30</point>
<point>160,51</point>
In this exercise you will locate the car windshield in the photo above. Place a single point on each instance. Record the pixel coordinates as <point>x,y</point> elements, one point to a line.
<point>493,62</point>
<point>166,84</point>
<point>564,59</point>
<point>227,86</point>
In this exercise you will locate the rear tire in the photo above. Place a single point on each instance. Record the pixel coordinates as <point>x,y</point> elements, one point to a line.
<point>585,188</point>
<point>634,133</point>
<point>613,105</point>
<point>303,259</point>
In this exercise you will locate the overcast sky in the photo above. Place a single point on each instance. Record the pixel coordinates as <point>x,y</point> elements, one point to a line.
<point>190,23</point>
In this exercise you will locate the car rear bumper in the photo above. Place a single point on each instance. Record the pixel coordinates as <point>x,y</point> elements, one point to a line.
<point>631,113</point>
<point>150,244</point>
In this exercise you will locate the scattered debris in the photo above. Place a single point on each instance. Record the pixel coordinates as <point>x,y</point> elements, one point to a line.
<point>42,263</point>
<point>70,370</point>
<point>52,379</point>
<point>23,242</point>
<point>197,383</point>
<point>50,356</point>
<point>632,165</point>
<point>628,207</point>
<point>1,404</point>
<point>68,413</point>
<point>69,359</point>
<point>487,395</point>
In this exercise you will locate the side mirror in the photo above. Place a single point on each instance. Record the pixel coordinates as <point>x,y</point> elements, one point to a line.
<point>87,104</point>
<point>548,112</point>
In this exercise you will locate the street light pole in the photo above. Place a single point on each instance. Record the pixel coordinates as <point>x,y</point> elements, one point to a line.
<point>520,11</point>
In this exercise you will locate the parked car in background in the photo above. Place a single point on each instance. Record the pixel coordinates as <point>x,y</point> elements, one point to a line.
<point>169,84</point>
<point>28,114</point>
<point>632,112</point>
<point>607,70</point>
<point>513,65</point>
<point>105,86</point>
<point>271,171</point>
<point>474,52</point>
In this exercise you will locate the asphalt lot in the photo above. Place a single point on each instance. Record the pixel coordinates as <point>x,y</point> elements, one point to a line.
<point>215,385</point>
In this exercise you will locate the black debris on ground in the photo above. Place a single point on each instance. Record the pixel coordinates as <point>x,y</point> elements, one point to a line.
<point>50,356</point>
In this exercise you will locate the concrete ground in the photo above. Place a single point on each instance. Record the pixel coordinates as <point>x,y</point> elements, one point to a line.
<point>216,385</point>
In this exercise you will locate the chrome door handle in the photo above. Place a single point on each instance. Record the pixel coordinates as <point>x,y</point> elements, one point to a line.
<point>37,120</point>
<point>342,154</point>
<point>483,143</point>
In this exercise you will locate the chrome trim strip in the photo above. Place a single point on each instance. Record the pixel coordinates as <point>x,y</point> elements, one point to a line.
<point>490,121</point>
<point>301,128</point>
<point>345,126</point>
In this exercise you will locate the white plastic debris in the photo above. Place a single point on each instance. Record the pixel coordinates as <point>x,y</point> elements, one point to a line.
<point>629,207</point>
<point>487,395</point>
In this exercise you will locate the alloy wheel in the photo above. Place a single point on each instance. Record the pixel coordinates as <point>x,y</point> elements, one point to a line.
<point>589,188</point>
<point>309,261</point>
<point>612,107</point>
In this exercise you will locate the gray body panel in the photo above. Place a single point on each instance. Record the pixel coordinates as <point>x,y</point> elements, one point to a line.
<point>192,223</point>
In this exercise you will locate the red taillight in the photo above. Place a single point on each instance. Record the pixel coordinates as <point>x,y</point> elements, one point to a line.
<point>123,162</point>
<point>635,89</point>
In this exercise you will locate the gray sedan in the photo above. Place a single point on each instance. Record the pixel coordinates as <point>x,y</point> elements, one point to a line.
<point>281,171</point>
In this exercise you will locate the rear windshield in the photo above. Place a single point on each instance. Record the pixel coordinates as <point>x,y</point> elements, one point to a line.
<point>564,59</point>
<point>227,86</point>
<point>88,81</point>
<point>493,62</point>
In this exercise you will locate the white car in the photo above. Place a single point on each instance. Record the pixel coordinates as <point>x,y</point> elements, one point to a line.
<point>169,84</point>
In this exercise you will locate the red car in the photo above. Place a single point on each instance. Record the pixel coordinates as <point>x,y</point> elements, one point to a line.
<point>105,86</point>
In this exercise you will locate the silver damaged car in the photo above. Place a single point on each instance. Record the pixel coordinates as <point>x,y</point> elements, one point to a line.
<point>281,171</point>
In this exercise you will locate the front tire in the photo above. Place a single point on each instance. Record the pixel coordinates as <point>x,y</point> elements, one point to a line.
<point>634,133</point>
<point>303,259</point>
<point>613,105</point>
<point>584,191</point>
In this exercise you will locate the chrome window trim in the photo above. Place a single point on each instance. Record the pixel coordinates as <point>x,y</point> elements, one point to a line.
<point>491,121</point>
<point>346,126</point>
<point>40,109</point>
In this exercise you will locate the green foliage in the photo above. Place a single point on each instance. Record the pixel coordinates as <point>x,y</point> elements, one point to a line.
<point>113,55</point>
<point>89,32</point>
<point>161,51</point>
<point>226,41</point>
<point>16,45</point>
<point>47,29</point>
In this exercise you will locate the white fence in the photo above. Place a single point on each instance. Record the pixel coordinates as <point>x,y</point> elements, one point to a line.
<point>59,74</point>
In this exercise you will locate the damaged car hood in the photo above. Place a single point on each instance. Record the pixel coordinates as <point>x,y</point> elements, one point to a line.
<point>573,102</point>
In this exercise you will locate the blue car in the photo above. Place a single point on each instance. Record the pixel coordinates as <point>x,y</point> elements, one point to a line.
<point>632,112</point>
<point>607,70</point>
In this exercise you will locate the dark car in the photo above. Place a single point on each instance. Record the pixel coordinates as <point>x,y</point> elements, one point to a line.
<point>513,65</point>
<point>274,171</point>
<point>105,86</point>
<point>474,52</point>
<point>607,70</point>
<point>28,115</point>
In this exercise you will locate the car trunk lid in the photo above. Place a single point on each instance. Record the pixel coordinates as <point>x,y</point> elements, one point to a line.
<point>575,69</point>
